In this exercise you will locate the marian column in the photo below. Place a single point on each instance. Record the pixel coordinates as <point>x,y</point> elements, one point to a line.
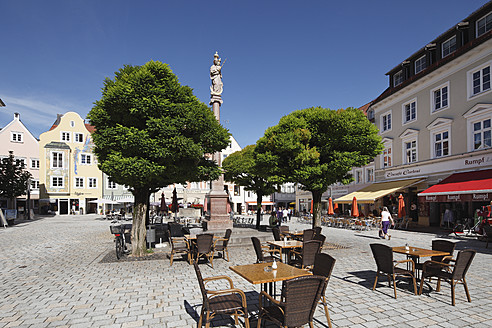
<point>219,218</point>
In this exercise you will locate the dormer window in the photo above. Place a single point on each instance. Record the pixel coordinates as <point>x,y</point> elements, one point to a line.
<point>398,78</point>
<point>420,64</point>
<point>449,46</point>
<point>484,25</point>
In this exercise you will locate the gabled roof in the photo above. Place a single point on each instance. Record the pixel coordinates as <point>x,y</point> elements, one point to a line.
<point>17,118</point>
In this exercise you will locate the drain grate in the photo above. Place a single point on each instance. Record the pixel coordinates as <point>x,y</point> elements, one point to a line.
<point>333,246</point>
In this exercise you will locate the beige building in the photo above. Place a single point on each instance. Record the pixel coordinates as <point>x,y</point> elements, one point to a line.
<point>70,178</point>
<point>435,121</point>
<point>17,138</point>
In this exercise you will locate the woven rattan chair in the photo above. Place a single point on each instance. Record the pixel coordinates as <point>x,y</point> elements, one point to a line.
<point>308,234</point>
<point>443,246</point>
<point>264,253</point>
<point>305,257</point>
<point>317,230</point>
<point>321,238</point>
<point>300,297</point>
<point>205,247</point>
<point>179,245</point>
<point>283,229</point>
<point>323,266</point>
<point>276,234</point>
<point>387,267</point>
<point>226,301</point>
<point>221,244</point>
<point>452,273</point>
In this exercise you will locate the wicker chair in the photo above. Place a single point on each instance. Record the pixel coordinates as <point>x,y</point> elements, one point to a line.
<point>296,308</point>
<point>305,258</point>
<point>221,244</point>
<point>227,301</point>
<point>308,234</point>
<point>317,230</point>
<point>179,245</point>
<point>454,276</point>
<point>323,266</point>
<point>264,253</point>
<point>276,234</point>
<point>387,267</point>
<point>283,229</point>
<point>321,238</point>
<point>205,247</point>
<point>443,246</point>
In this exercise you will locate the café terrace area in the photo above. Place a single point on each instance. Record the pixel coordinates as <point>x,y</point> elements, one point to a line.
<point>62,271</point>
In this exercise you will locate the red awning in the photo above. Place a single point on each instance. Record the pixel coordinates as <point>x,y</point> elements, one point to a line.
<point>458,187</point>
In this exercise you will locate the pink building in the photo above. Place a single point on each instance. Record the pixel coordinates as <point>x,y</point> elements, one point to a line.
<point>17,138</point>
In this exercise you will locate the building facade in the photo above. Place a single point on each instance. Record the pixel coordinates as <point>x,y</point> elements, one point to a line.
<point>17,138</point>
<point>435,120</point>
<point>70,178</point>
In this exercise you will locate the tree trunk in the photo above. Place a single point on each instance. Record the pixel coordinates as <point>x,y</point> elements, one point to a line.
<point>259,196</point>
<point>316,208</point>
<point>139,231</point>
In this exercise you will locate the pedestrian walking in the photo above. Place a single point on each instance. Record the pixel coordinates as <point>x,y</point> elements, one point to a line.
<point>280,216</point>
<point>285,214</point>
<point>386,222</point>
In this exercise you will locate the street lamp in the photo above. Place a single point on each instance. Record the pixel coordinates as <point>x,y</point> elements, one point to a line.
<point>29,198</point>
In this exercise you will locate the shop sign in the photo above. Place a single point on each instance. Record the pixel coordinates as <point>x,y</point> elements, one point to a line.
<point>434,168</point>
<point>475,197</point>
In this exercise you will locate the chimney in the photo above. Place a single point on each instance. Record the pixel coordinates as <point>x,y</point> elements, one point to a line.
<point>16,116</point>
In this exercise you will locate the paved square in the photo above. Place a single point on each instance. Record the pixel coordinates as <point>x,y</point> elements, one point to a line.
<point>52,274</point>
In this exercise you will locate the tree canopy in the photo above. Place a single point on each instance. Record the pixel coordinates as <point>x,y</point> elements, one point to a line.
<point>151,132</point>
<point>317,147</point>
<point>13,178</point>
<point>242,168</point>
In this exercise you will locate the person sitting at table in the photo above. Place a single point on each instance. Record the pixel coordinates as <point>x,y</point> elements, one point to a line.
<point>386,221</point>
<point>272,222</point>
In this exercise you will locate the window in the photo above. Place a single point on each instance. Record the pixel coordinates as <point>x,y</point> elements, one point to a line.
<point>92,182</point>
<point>358,177</point>
<point>237,190</point>
<point>441,144</point>
<point>65,136</point>
<point>479,80</point>
<point>35,184</point>
<point>370,174</point>
<point>79,137</point>
<point>398,78</point>
<point>482,134</point>
<point>409,111</point>
<point>16,136</point>
<point>72,123</point>
<point>56,160</point>
<point>21,161</point>
<point>387,155</point>
<point>34,163</point>
<point>449,46</point>
<point>386,122</point>
<point>110,184</point>
<point>440,98</point>
<point>484,25</point>
<point>85,159</point>
<point>79,182</point>
<point>410,151</point>
<point>420,64</point>
<point>57,182</point>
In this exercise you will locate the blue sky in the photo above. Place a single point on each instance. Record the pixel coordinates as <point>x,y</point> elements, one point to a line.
<point>281,55</point>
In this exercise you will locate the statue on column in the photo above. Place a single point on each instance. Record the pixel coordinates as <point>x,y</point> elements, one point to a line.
<point>216,76</point>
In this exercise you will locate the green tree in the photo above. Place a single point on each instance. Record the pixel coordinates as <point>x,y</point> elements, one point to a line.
<point>241,168</point>
<point>152,132</point>
<point>317,147</point>
<point>13,178</point>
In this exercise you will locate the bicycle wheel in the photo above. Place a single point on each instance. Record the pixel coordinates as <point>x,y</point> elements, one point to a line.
<point>119,247</point>
<point>458,230</point>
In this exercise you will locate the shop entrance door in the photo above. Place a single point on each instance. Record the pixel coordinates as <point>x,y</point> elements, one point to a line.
<point>63,206</point>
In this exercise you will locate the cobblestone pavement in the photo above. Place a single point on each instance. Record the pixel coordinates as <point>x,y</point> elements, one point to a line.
<point>52,275</point>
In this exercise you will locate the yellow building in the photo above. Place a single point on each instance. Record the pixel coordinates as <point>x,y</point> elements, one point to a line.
<point>69,177</point>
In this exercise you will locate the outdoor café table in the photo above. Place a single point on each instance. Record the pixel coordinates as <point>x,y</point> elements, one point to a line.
<point>294,234</point>
<point>415,253</point>
<point>286,245</point>
<point>256,274</point>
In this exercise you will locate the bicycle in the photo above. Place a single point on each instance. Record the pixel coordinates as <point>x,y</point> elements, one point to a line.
<point>119,231</point>
<point>467,228</point>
